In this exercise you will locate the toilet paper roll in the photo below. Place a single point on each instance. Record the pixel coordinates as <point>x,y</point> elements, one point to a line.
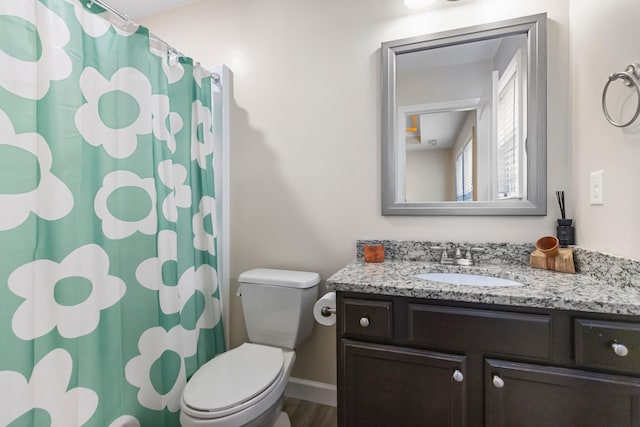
<point>327,300</point>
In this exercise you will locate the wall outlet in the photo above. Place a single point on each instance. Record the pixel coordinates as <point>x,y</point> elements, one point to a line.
<point>596,188</point>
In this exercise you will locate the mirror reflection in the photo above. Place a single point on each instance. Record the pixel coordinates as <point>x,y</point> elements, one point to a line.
<point>465,131</point>
<point>465,143</point>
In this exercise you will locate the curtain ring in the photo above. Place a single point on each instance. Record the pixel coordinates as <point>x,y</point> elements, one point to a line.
<point>629,77</point>
<point>172,56</point>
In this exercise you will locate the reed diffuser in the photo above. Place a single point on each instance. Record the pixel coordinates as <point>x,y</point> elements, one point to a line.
<point>565,230</point>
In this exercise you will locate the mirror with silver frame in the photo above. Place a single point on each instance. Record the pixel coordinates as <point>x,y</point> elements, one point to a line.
<point>464,121</point>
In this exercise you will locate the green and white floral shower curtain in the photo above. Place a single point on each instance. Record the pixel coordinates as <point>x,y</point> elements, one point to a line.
<point>108,282</point>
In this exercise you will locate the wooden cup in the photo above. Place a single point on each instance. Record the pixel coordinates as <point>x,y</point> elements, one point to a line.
<point>548,245</point>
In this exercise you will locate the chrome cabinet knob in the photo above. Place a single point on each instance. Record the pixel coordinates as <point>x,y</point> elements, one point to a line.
<point>620,349</point>
<point>498,382</point>
<point>364,321</point>
<point>458,376</point>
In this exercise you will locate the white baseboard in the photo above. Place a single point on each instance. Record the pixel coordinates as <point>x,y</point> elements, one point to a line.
<point>313,391</point>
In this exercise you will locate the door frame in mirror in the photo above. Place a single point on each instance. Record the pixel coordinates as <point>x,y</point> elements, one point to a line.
<point>534,27</point>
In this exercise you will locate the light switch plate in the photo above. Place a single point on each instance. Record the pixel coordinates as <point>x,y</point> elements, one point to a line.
<point>596,188</point>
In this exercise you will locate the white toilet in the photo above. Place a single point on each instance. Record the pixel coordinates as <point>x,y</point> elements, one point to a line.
<point>245,386</point>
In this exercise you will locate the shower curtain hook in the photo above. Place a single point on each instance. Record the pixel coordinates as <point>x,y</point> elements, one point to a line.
<point>127,22</point>
<point>172,56</point>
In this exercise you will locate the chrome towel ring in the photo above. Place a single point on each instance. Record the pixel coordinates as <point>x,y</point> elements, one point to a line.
<point>630,77</point>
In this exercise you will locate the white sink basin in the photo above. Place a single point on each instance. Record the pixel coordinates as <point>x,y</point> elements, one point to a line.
<point>468,279</point>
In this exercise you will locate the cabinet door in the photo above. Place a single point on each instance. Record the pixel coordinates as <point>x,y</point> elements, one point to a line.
<point>386,386</point>
<point>524,395</point>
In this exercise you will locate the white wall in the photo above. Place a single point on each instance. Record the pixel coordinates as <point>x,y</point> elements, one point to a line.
<point>306,130</point>
<point>429,175</point>
<point>604,39</point>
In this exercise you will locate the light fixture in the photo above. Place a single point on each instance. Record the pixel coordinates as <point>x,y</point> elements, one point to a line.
<point>418,4</point>
<point>414,124</point>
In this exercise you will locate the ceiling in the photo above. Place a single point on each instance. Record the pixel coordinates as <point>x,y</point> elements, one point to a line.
<point>456,54</point>
<point>437,131</point>
<point>142,8</point>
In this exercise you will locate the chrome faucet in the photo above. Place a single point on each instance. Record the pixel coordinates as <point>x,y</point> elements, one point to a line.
<point>457,258</point>
<point>467,260</point>
<point>444,257</point>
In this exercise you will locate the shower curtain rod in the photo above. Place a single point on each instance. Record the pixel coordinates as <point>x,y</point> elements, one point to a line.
<point>125,17</point>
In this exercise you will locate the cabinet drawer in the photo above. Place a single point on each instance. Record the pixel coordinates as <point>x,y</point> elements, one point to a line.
<point>595,342</point>
<point>367,319</point>
<point>502,332</point>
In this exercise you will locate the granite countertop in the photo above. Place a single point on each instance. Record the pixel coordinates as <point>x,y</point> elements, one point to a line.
<point>591,291</point>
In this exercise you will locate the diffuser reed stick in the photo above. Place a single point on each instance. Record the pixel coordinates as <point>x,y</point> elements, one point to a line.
<point>560,197</point>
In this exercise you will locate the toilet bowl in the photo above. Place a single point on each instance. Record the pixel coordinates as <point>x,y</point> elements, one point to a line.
<point>245,386</point>
<point>242,387</point>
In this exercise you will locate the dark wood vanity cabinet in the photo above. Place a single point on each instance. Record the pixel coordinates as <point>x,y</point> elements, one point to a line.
<point>415,362</point>
<point>526,395</point>
<point>393,386</point>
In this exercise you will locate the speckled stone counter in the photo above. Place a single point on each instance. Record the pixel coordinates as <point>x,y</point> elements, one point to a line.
<point>605,284</point>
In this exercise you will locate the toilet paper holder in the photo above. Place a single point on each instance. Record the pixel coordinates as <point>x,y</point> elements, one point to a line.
<point>324,310</point>
<point>327,311</point>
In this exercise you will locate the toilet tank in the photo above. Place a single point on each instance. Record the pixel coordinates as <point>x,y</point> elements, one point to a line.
<point>278,305</point>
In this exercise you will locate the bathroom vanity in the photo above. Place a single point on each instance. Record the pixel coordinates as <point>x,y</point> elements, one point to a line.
<point>560,350</point>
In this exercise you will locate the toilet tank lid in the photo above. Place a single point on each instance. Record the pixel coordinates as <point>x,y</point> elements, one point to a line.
<point>286,278</point>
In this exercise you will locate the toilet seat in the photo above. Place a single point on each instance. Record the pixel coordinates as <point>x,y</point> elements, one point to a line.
<point>234,381</point>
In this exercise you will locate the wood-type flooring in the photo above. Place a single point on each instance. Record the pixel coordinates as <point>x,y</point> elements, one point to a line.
<point>308,414</point>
